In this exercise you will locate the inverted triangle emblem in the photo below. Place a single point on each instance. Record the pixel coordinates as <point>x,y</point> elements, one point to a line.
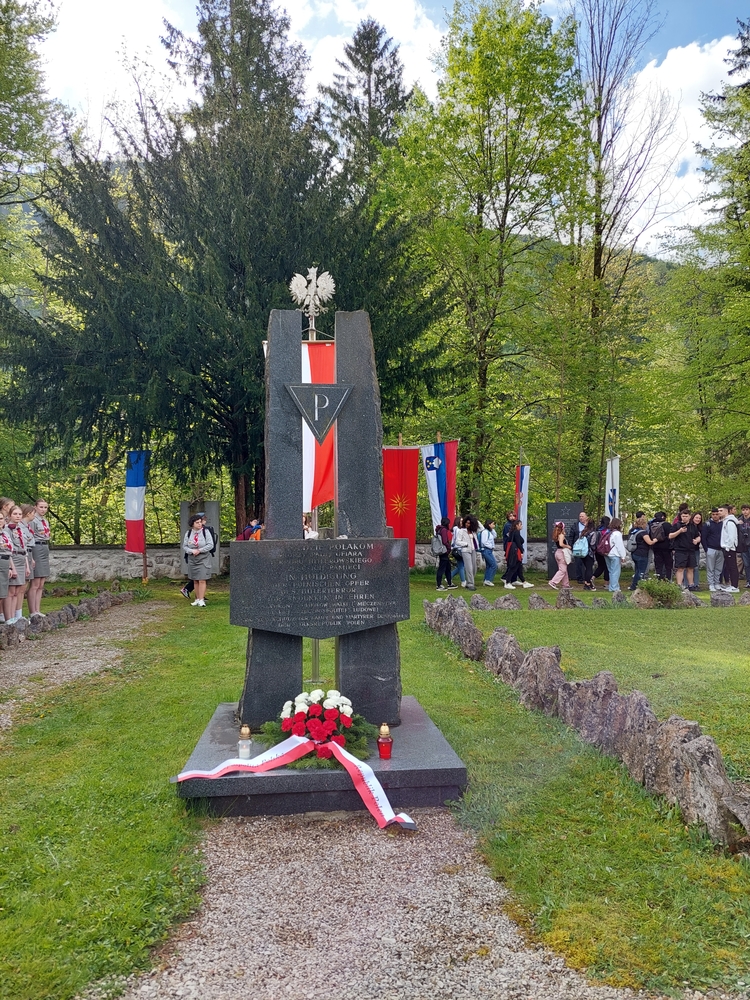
<point>319,405</point>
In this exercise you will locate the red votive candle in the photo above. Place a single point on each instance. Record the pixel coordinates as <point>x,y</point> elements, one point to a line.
<point>385,742</point>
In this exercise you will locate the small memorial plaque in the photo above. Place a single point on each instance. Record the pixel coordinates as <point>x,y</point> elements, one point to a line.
<point>319,588</point>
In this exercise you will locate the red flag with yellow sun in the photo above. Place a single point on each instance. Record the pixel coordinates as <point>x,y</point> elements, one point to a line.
<point>400,475</point>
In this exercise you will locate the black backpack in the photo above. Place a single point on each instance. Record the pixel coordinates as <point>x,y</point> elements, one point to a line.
<point>214,537</point>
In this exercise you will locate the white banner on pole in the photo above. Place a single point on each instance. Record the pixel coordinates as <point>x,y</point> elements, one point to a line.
<point>612,500</point>
<point>522,504</point>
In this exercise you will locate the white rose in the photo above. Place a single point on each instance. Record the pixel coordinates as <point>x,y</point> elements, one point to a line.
<point>330,703</point>
<point>316,695</point>
<point>347,710</point>
<point>286,712</point>
<point>344,701</point>
<point>333,693</point>
<point>303,696</point>
<point>287,705</point>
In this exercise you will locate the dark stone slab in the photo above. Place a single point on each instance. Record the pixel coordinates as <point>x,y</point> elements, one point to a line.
<point>274,674</point>
<point>424,771</point>
<point>274,661</point>
<point>369,662</point>
<point>361,506</point>
<point>320,588</point>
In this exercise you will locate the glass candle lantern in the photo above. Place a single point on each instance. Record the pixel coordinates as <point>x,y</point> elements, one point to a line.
<point>385,742</point>
<point>244,744</point>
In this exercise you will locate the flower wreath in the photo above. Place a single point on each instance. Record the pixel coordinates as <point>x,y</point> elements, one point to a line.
<point>325,717</point>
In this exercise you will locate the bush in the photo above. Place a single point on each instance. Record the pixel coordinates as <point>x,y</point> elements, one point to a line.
<point>663,594</point>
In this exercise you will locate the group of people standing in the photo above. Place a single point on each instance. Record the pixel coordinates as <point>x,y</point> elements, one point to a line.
<point>599,549</point>
<point>466,540</point>
<point>24,557</point>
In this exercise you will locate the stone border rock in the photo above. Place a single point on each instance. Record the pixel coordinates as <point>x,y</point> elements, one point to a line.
<point>87,607</point>
<point>672,758</point>
<point>566,600</point>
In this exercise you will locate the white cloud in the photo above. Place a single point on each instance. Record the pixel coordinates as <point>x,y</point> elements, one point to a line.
<point>685,73</point>
<point>323,27</point>
<point>84,56</point>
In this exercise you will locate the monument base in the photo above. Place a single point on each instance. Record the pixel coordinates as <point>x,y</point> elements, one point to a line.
<point>423,771</point>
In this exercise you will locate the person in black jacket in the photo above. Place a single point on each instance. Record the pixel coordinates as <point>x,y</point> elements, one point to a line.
<point>575,532</point>
<point>659,532</point>
<point>515,559</point>
<point>444,533</point>
<point>601,562</point>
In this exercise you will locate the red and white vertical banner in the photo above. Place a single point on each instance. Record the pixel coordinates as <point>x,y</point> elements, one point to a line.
<point>318,366</point>
<point>136,476</point>
<point>522,503</point>
<point>400,480</point>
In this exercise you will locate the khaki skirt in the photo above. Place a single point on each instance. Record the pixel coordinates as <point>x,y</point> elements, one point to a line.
<point>19,561</point>
<point>199,567</point>
<point>4,573</point>
<point>41,560</point>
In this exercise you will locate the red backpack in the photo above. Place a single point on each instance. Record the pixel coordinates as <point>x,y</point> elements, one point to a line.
<point>603,545</point>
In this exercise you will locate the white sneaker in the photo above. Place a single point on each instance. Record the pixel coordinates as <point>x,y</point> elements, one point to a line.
<point>526,584</point>
<point>509,586</point>
<point>732,590</point>
<point>440,588</point>
<point>712,590</point>
<point>463,583</point>
<point>195,603</point>
<point>489,583</point>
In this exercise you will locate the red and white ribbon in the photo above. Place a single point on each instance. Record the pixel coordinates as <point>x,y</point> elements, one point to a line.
<point>291,749</point>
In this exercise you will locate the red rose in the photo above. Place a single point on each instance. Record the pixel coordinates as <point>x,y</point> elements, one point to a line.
<point>324,751</point>
<point>331,713</point>
<point>300,716</point>
<point>341,740</point>
<point>346,721</point>
<point>315,710</point>
<point>286,725</point>
<point>298,729</point>
<point>329,727</point>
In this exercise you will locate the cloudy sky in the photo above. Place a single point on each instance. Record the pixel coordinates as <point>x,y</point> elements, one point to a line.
<point>85,58</point>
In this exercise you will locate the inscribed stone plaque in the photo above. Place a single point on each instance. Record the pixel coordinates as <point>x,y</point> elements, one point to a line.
<point>319,588</point>
<point>566,511</point>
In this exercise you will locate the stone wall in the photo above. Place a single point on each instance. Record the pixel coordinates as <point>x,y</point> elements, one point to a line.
<point>111,562</point>
<point>673,758</point>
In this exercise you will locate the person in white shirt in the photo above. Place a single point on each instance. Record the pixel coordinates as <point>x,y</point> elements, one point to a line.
<point>616,554</point>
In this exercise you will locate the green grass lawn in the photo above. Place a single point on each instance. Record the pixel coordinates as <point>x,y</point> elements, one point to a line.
<point>98,855</point>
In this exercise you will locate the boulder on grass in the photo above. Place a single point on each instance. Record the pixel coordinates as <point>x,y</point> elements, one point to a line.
<point>466,635</point>
<point>538,603</point>
<point>479,603</point>
<point>540,678</point>
<point>721,599</point>
<point>567,599</point>
<point>630,727</point>
<point>583,704</point>
<point>704,793</point>
<point>507,603</point>
<point>663,752</point>
<point>619,598</point>
<point>503,655</point>
<point>691,601</point>
<point>745,599</point>
<point>640,599</point>
<point>600,602</point>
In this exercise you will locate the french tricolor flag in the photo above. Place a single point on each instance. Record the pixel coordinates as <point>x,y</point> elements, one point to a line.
<point>136,474</point>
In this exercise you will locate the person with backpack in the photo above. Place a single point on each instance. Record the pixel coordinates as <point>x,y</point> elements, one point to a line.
<point>601,563</point>
<point>560,579</point>
<point>685,538</point>
<point>487,538</point>
<point>440,546</point>
<point>199,545</point>
<point>467,544</point>
<point>584,548</point>
<point>575,532</point>
<point>729,543</point>
<point>248,531</point>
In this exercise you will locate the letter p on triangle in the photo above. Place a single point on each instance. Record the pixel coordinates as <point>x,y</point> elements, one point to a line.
<point>319,405</point>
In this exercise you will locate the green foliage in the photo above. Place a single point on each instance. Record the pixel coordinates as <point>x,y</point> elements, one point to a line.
<point>663,593</point>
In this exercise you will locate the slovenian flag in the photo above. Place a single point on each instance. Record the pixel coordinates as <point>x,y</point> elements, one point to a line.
<point>318,366</point>
<point>136,474</point>
<point>439,464</point>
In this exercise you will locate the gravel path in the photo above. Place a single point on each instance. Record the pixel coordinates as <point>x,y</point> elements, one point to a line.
<point>322,907</point>
<point>35,666</point>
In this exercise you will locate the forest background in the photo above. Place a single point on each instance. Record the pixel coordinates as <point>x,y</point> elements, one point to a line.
<point>493,234</point>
